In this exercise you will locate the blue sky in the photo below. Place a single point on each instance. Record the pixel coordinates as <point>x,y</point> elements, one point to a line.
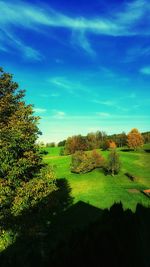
<point>85,65</point>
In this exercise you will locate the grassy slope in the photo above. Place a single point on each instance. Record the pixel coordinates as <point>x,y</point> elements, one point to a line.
<point>94,188</point>
<point>52,151</point>
<point>100,190</point>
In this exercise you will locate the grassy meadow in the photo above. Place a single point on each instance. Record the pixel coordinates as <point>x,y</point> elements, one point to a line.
<point>102,191</point>
<point>93,194</point>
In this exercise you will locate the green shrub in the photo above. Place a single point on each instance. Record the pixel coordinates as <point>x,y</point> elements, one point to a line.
<point>113,163</point>
<point>62,151</point>
<point>83,162</point>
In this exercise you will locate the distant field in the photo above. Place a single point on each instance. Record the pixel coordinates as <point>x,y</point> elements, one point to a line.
<point>52,151</point>
<point>100,190</point>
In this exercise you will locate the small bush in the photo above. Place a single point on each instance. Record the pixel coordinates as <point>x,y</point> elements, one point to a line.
<point>113,164</point>
<point>62,151</point>
<point>83,162</point>
<point>43,152</point>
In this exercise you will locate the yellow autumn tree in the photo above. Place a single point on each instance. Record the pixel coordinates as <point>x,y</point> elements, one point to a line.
<point>112,145</point>
<point>134,139</point>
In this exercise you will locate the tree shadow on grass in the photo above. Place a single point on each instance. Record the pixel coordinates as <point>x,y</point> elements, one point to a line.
<point>67,234</point>
<point>147,150</point>
<point>114,238</point>
<point>44,152</point>
<point>127,150</point>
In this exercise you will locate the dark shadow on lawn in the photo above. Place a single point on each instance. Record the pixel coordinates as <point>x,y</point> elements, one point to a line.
<point>127,150</point>
<point>44,152</point>
<point>147,150</point>
<point>80,235</point>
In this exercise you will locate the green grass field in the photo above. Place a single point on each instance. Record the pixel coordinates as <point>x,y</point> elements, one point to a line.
<point>52,151</point>
<point>93,188</point>
<point>102,191</point>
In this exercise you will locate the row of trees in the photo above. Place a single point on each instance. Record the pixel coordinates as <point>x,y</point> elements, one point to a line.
<point>95,140</point>
<point>133,140</point>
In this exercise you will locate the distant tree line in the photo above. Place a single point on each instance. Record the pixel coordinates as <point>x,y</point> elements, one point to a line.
<point>101,140</point>
<point>92,141</point>
<point>146,137</point>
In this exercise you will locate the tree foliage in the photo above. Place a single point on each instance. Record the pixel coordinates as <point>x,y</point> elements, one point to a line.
<point>84,162</point>
<point>105,144</point>
<point>62,143</point>
<point>113,163</point>
<point>135,139</point>
<point>29,194</point>
<point>93,140</point>
<point>146,137</point>
<point>52,144</point>
<point>23,179</point>
<point>19,157</point>
<point>75,143</point>
<point>112,144</point>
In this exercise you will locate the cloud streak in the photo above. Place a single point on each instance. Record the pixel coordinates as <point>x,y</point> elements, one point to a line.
<point>70,86</point>
<point>125,22</point>
<point>145,70</point>
<point>39,110</point>
<point>59,114</point>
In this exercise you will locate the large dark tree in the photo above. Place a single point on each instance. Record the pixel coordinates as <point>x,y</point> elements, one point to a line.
<point>19,156</point>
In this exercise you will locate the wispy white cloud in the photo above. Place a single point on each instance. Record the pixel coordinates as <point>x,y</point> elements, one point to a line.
<point>58,114</point>
<point>137,52</point>
<point>104,114</point>
<point>62,82</point>
<point>69,85</point>
<point>39,110</point>
<point>105,102</point>
<point>30,53</point>
<point>55,95</point>
<point>132,13</point>
<point>91,117</point>
<point>123,22</point>
<point>80,39</point>
<point>121,103</point>
<point>145,70</point>
<point>9,40</point>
